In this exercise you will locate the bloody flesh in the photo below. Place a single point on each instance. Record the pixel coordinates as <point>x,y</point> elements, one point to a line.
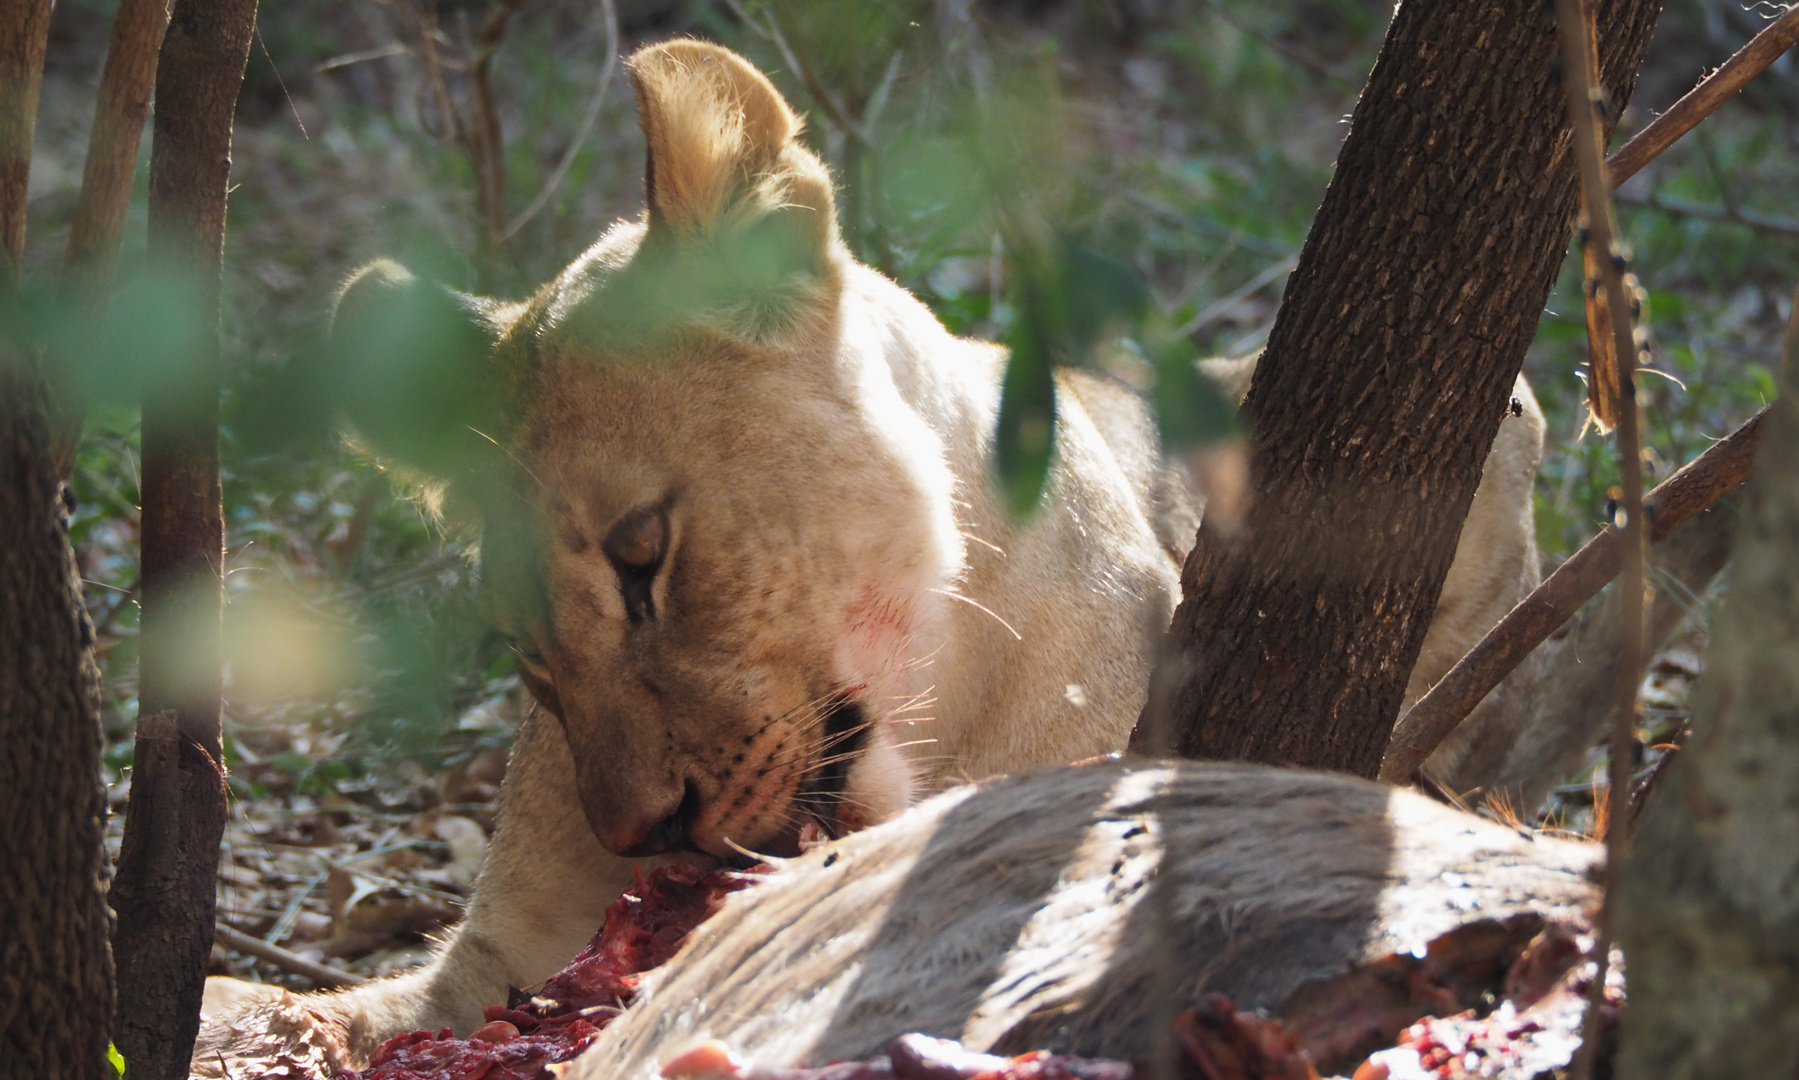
<point>643,929</point>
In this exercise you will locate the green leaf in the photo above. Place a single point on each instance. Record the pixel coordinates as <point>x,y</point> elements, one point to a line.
<point>1026,433</point>
<point>1098,294</point>
<point>117,1059</point>
<point>1190,409</point>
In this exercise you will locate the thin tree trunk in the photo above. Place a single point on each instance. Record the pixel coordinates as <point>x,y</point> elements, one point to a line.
<point>1386,377</point>
<point>24,32</point>
<point>164,894</point>
<point>53,918</point>
<point>1709,916</point>
<point>112,148</point>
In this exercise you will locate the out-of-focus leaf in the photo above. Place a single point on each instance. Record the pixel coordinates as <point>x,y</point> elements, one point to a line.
<point>1098,294</point>
<point>1066,296</point>
<point>1191,411</point>
<point>1025,435</point>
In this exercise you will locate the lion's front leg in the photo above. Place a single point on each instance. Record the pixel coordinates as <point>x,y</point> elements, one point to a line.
<point>540,897</point>
<point>542,893</point>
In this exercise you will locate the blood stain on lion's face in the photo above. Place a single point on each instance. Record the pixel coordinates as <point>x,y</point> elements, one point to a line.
<point>723,625</point>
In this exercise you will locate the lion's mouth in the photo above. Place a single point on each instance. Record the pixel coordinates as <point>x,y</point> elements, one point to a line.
<point>816,815</point>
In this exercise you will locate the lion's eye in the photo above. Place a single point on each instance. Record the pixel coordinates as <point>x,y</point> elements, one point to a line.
<point>636,546</point>
<point>637,541</point>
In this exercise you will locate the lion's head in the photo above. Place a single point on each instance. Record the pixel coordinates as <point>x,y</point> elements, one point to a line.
<point>709,525</point>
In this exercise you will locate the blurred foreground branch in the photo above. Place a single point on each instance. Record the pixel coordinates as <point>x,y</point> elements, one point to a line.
<point>1708,913</point>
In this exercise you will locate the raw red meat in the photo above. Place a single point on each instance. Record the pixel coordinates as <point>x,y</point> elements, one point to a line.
<point>643,929</point>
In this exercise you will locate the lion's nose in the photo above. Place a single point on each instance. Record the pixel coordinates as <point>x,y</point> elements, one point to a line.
<point>668,833</point>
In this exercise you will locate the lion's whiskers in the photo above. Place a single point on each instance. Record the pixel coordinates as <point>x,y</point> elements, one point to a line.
<point>978,606</point>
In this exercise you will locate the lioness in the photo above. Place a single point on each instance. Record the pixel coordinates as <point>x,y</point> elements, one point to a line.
<point>747,547</point>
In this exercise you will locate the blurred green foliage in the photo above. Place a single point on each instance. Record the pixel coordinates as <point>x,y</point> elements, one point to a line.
<point>1120,183</point>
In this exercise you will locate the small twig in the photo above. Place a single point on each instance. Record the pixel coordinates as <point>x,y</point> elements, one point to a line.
<point>291,914</point>
<point>487,151</point>
<point>1747,218</point>
<point>560,172</point>
<point>877,101</point>
<point>1292,52</point>
<point>1703,100</point>
<point>279,81</point>
<point>1223,304</point>
<point>1649,779</point>
<point>363,57</point>
<point>1182,218</point>
<point>281,958</point>
<point>1587,104</point>
<point>1696,486</point>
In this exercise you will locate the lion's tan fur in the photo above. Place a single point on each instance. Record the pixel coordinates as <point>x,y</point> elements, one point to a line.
<point>820,446</point>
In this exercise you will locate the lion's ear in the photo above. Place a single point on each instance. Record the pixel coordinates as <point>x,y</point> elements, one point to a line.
<point>724,153</point>
<point>411,366</point>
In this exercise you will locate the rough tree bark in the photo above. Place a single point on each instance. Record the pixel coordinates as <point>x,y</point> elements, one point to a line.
<point>53,919</point>
<point>55,967</point>
<point>1385,379</point>
<point>1709,916</point>
<point>164,892</point>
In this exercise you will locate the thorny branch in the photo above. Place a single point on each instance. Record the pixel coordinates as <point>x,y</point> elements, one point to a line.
<point>1694,488</point>
<point>1586,103</point>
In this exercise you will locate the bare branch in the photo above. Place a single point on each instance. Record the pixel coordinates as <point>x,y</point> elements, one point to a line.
<point>487,151</point>
<point>560,172</point>
<point>112,150</point>
<point>1695,487</point>
<point>1703,100</point>
<point>1728,215</point>
<point>291,962</point>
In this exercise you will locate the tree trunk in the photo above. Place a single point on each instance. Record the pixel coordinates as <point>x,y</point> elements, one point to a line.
<point>55,968</point>
<point>1385,379</point>
<point>106,175</point>
<point>1709,916</point>
<point>24,32</point>
<point>164,894</point>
